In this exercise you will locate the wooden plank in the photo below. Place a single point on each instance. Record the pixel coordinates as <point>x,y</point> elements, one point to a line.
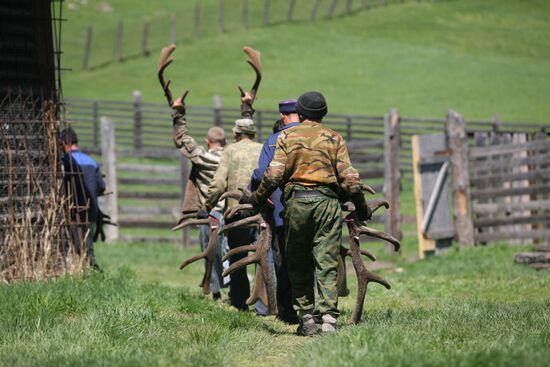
<point>149,153</point>
<point>492,222</point>
<point>532,257</point>
<point>149,239</point>
<point>148,181</point>
<point>494,179</point>
<point>148,210</point>
<point>512,191</point>
<point>493,208</point>
<point>424,244</point>
<point>108,157</point>
<point>477,167</point>
<point>148,195</point>
<point>508,148</point>
<point>144,224</point>
<point>168,170</point>
<point>542,248</point>
<point>392,175</point>
<point>500,236</point>
<point>458,145</point>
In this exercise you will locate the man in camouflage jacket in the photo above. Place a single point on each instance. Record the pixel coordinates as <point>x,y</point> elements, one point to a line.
<point>204,165</point>
<point>312,163</point>
<point>237,162</point>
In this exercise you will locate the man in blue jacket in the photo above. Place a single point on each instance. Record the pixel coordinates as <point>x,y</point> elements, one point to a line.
<point>289,118</point>
<point>84,183</point>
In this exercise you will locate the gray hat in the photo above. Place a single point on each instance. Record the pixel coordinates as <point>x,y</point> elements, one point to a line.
<point>244,126</point>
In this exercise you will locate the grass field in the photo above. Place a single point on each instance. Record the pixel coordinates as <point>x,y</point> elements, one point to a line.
<point>470,307</point>
<point>478,57</point>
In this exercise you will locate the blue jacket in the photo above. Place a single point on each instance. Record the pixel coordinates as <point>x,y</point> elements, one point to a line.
<point>85,173</point>
<point>266,156</point>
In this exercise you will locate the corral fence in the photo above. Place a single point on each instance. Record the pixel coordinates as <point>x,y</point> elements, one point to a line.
<point>500,185</point>
<point>128,39</point>
<point>380,148</point>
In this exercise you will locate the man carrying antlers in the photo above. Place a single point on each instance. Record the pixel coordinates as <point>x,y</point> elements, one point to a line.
<point>312,163</point>
<point>205,163</point>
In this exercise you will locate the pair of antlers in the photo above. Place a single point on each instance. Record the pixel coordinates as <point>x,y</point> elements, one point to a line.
<point>165,60</point>
<point>264,283</point>
<point>209,253</point>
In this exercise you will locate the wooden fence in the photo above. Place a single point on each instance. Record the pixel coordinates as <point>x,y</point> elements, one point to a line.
<point>501,183</point>
<point>128,39</point>
<point>148,185</point>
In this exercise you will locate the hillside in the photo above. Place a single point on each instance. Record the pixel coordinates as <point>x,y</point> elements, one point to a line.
<point>478,57</point>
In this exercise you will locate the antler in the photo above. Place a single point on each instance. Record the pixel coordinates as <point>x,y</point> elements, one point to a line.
<point>356,229</point>
<point>209,253</point>
<point>341,279</point>
<point>254,61</point>
<point>164,61</point>
<point>264,285</point>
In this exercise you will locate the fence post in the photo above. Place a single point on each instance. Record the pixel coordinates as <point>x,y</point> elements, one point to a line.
<point>349,128</point>
<point>221,16</point>
<point>392,173</point>
<point>245,14</point>
<point>259,125</point>
<point>87,48</point>
<point>173,29</point>
<point>217,110</point>
<point>291,7</point>
<point>184,175</point>
<point>145,37</point>
<point>266,13</point>
<point>95,117</point>
<point>118,41</point>
<point>314,9</point>
<point>197,28</point>
<point>331,8</point>
<point>458,146</point>
<point>108,156</point>
<point>137,120</point>
<point>348,7</point>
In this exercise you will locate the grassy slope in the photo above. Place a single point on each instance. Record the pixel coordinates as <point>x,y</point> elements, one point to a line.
<point>479,57</point>
<point>472,307</point>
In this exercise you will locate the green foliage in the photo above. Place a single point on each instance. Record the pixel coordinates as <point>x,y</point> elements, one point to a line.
<point>468,307</point>
<point>422,57</point>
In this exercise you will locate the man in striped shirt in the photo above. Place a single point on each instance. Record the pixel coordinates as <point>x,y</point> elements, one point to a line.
<point>205,162</point>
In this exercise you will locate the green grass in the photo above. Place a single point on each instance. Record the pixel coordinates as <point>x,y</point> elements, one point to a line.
<point>478,57</point>
<point>470,307</point>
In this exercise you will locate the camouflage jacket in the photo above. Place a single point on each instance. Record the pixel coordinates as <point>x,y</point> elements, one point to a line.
<point>237,162</point>
<point>311,155</point>
<point>204,165</point>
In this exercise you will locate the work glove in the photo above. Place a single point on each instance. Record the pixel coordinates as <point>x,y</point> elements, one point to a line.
<point>363,212</point>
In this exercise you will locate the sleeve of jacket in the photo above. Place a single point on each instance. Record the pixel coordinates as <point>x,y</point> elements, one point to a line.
<point>348,177</point>
<point>183,141</point>
<point>275,172</point>
<point>219,183</point>
<point>266,156</point>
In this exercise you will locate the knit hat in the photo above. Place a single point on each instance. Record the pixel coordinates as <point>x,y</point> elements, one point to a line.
<point>288,106</point>
<point>312,105</point>
<point>244,126</point>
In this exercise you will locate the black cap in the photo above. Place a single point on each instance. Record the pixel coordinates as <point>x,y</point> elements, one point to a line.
<point>312,105</point>
<point>68,136</point>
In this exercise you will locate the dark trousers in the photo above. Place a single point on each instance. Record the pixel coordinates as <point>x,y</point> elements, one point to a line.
<point>284,291</point>
<point>239,288</point>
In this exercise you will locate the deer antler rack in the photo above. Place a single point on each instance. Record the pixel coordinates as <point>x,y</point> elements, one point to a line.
<point>264,284</point>
<point>209,253</point>
<point>164,61</point>
<point>364,277</point>
<point>254,61</point>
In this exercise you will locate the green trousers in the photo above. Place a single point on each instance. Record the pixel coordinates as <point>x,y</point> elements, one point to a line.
<point>313,232</point>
